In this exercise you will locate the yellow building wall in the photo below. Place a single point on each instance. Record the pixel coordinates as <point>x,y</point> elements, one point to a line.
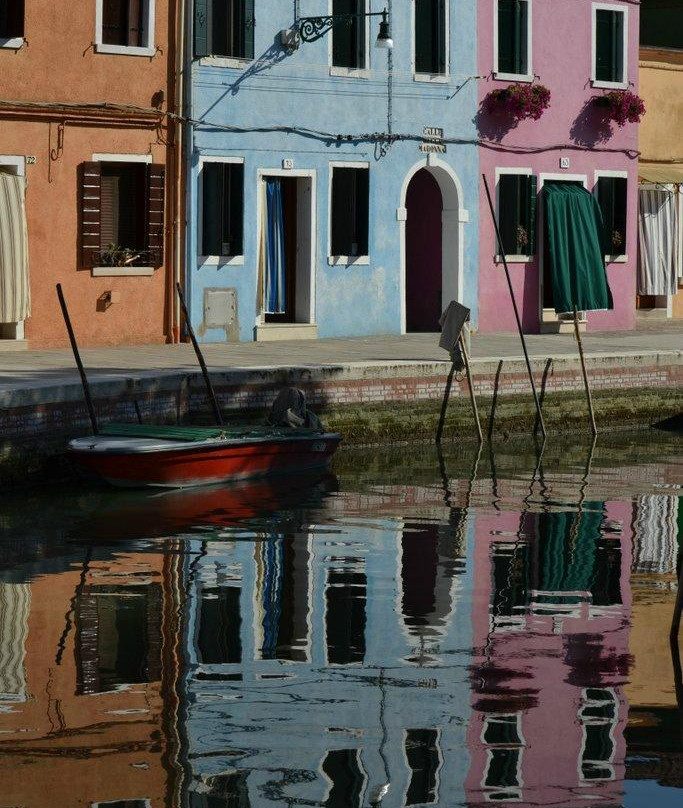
<point>660,131</point>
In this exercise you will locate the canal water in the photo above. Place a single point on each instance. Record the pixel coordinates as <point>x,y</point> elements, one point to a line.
<point>409,629</point>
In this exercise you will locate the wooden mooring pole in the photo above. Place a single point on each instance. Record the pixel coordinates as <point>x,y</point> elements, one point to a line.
<point>589,397</point>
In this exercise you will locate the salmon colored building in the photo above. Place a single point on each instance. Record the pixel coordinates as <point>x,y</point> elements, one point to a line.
<point>86,165</point>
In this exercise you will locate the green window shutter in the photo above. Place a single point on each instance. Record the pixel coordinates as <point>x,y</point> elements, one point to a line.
<point>362,209</point>
<point>344,37</point>
<point>233,209</point>
<point>506,45</point>
<point>212,181</point>
<point>532,201</point>
<point>508,212</point>
<point>440,37</point>
<point>202,27</point>
<point>248,25</point>
<point>11,19</point>
<point>423,37</point>
<point>521,9</point>
<point>156,195</point>
<point>90,198</point>
<point>609,45</point>
<point>341,198</point>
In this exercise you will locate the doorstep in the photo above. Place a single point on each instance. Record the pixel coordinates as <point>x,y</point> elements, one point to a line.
<point>272,332</point>
<point>13,344</point>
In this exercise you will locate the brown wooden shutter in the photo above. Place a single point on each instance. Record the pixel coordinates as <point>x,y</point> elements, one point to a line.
<point>156,174</point>
<point>91,202</point>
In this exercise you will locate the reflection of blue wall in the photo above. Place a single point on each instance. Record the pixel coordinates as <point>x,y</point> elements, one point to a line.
<point>298,91</point>
<point>276,720</point>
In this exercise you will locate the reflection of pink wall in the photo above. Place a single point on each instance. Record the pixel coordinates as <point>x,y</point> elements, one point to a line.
<point>561,38</point>
<point>423,253</point>
<point>540,679</point>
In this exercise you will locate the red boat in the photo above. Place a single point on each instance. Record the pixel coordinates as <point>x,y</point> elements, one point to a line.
<point>183,456</point>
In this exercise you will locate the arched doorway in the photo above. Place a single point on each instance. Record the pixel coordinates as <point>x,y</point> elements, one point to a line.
<point>424,208</point>
<point>432,221</point>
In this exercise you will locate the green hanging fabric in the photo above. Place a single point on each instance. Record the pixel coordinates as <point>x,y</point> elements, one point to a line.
<point>574,226</point>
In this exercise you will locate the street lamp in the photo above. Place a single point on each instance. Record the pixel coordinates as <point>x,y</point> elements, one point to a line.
<point>310,29</point>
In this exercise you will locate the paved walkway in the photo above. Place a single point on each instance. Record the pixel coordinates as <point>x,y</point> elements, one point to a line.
<point>26,369</point>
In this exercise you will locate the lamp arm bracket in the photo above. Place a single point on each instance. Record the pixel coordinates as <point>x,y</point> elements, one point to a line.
<point>314,28</point>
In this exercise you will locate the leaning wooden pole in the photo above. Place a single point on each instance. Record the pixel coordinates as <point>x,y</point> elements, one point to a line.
<point>444,403</point>
<point>77,357</point>
<point>589,397</point>
<point>514,306</point>
<point>202,364</point>
<point>473,398</point>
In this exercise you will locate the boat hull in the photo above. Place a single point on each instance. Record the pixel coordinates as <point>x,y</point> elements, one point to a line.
<point>183,465</point>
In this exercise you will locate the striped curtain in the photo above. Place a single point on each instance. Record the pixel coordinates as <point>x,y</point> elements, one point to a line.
<point>15,605</point>
<point>270,559</point>
<point>655,534</point>
<point>657,234</point>
<point>275,249</point>
<point>15,299</point>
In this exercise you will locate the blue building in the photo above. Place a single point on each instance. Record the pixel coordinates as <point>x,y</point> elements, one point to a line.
<point>332,186</point>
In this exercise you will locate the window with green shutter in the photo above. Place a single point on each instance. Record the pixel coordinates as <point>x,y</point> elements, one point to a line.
<point>611,193</point>
<point>513,39</point>
<point>222,209</point>
<point>348,41</point>
<point>350,211</point>
<point>224,28</point>
<point>430,37</point>
<point>517,196</point>
<point>609,45</point>
<point>661,24</point>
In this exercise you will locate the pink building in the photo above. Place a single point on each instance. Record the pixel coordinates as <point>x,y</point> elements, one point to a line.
<point>551,617</point>
<point>579,50</point>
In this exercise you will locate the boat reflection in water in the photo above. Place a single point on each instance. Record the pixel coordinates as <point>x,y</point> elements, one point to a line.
<point>411,638</point>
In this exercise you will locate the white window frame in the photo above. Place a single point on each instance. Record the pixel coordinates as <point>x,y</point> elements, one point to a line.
<point>523,77</point>
<point>511,259</point>
<point>345,260</point>
<point>617,258</point>
<point>352,72</point>
<point>613,723</point>
<point>435,78</point>
<point>120,272</point>
<point>216,260</point>
<point>609,85</point>
<point>18,163</point>
<point>148,49</point>
<point>493,793</point>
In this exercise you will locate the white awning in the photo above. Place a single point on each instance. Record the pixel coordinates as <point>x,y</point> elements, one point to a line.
<point>15,298</point>
<point>662,173</point>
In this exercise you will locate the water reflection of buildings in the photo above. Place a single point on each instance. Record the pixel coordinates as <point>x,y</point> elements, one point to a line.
<point>313,675</point>
<point>551,621</point>
<point>84,692</point>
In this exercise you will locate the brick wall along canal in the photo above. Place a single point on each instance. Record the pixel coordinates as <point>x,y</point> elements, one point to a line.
<point>399,632</point>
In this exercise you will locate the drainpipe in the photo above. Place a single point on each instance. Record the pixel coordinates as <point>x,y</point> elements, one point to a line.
<point>179,224</point>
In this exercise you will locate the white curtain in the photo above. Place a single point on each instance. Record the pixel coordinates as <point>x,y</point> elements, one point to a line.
<point>657,230</point>
<point>15,299</point>
<point>655,532</point>
<point>15,607</point>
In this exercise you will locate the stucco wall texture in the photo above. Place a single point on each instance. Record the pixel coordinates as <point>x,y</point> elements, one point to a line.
<point>74,72</point>
<point>570,127</point>
<point>298,90</point>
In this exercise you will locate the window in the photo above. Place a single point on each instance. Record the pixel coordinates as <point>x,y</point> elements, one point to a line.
<point>118,637</point>
<point>513,38</point>
<point>609,45</point>
<point>422,754</point>
<point>345,618</point>
<point>222,209</point>
<point>517,195</point>
<point>224,28</point>
<point>611,194</point>
<point>430,37</point>
<point>660,24</point>
<point>11,23</point>
<point>349,41</point>
<point>347,780</point>
<point>218,634</point>
<point>599,717</point>
<point>350,211</point>
<point>122,214</point>
<point>125,26</point>
<point>502,737</point>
